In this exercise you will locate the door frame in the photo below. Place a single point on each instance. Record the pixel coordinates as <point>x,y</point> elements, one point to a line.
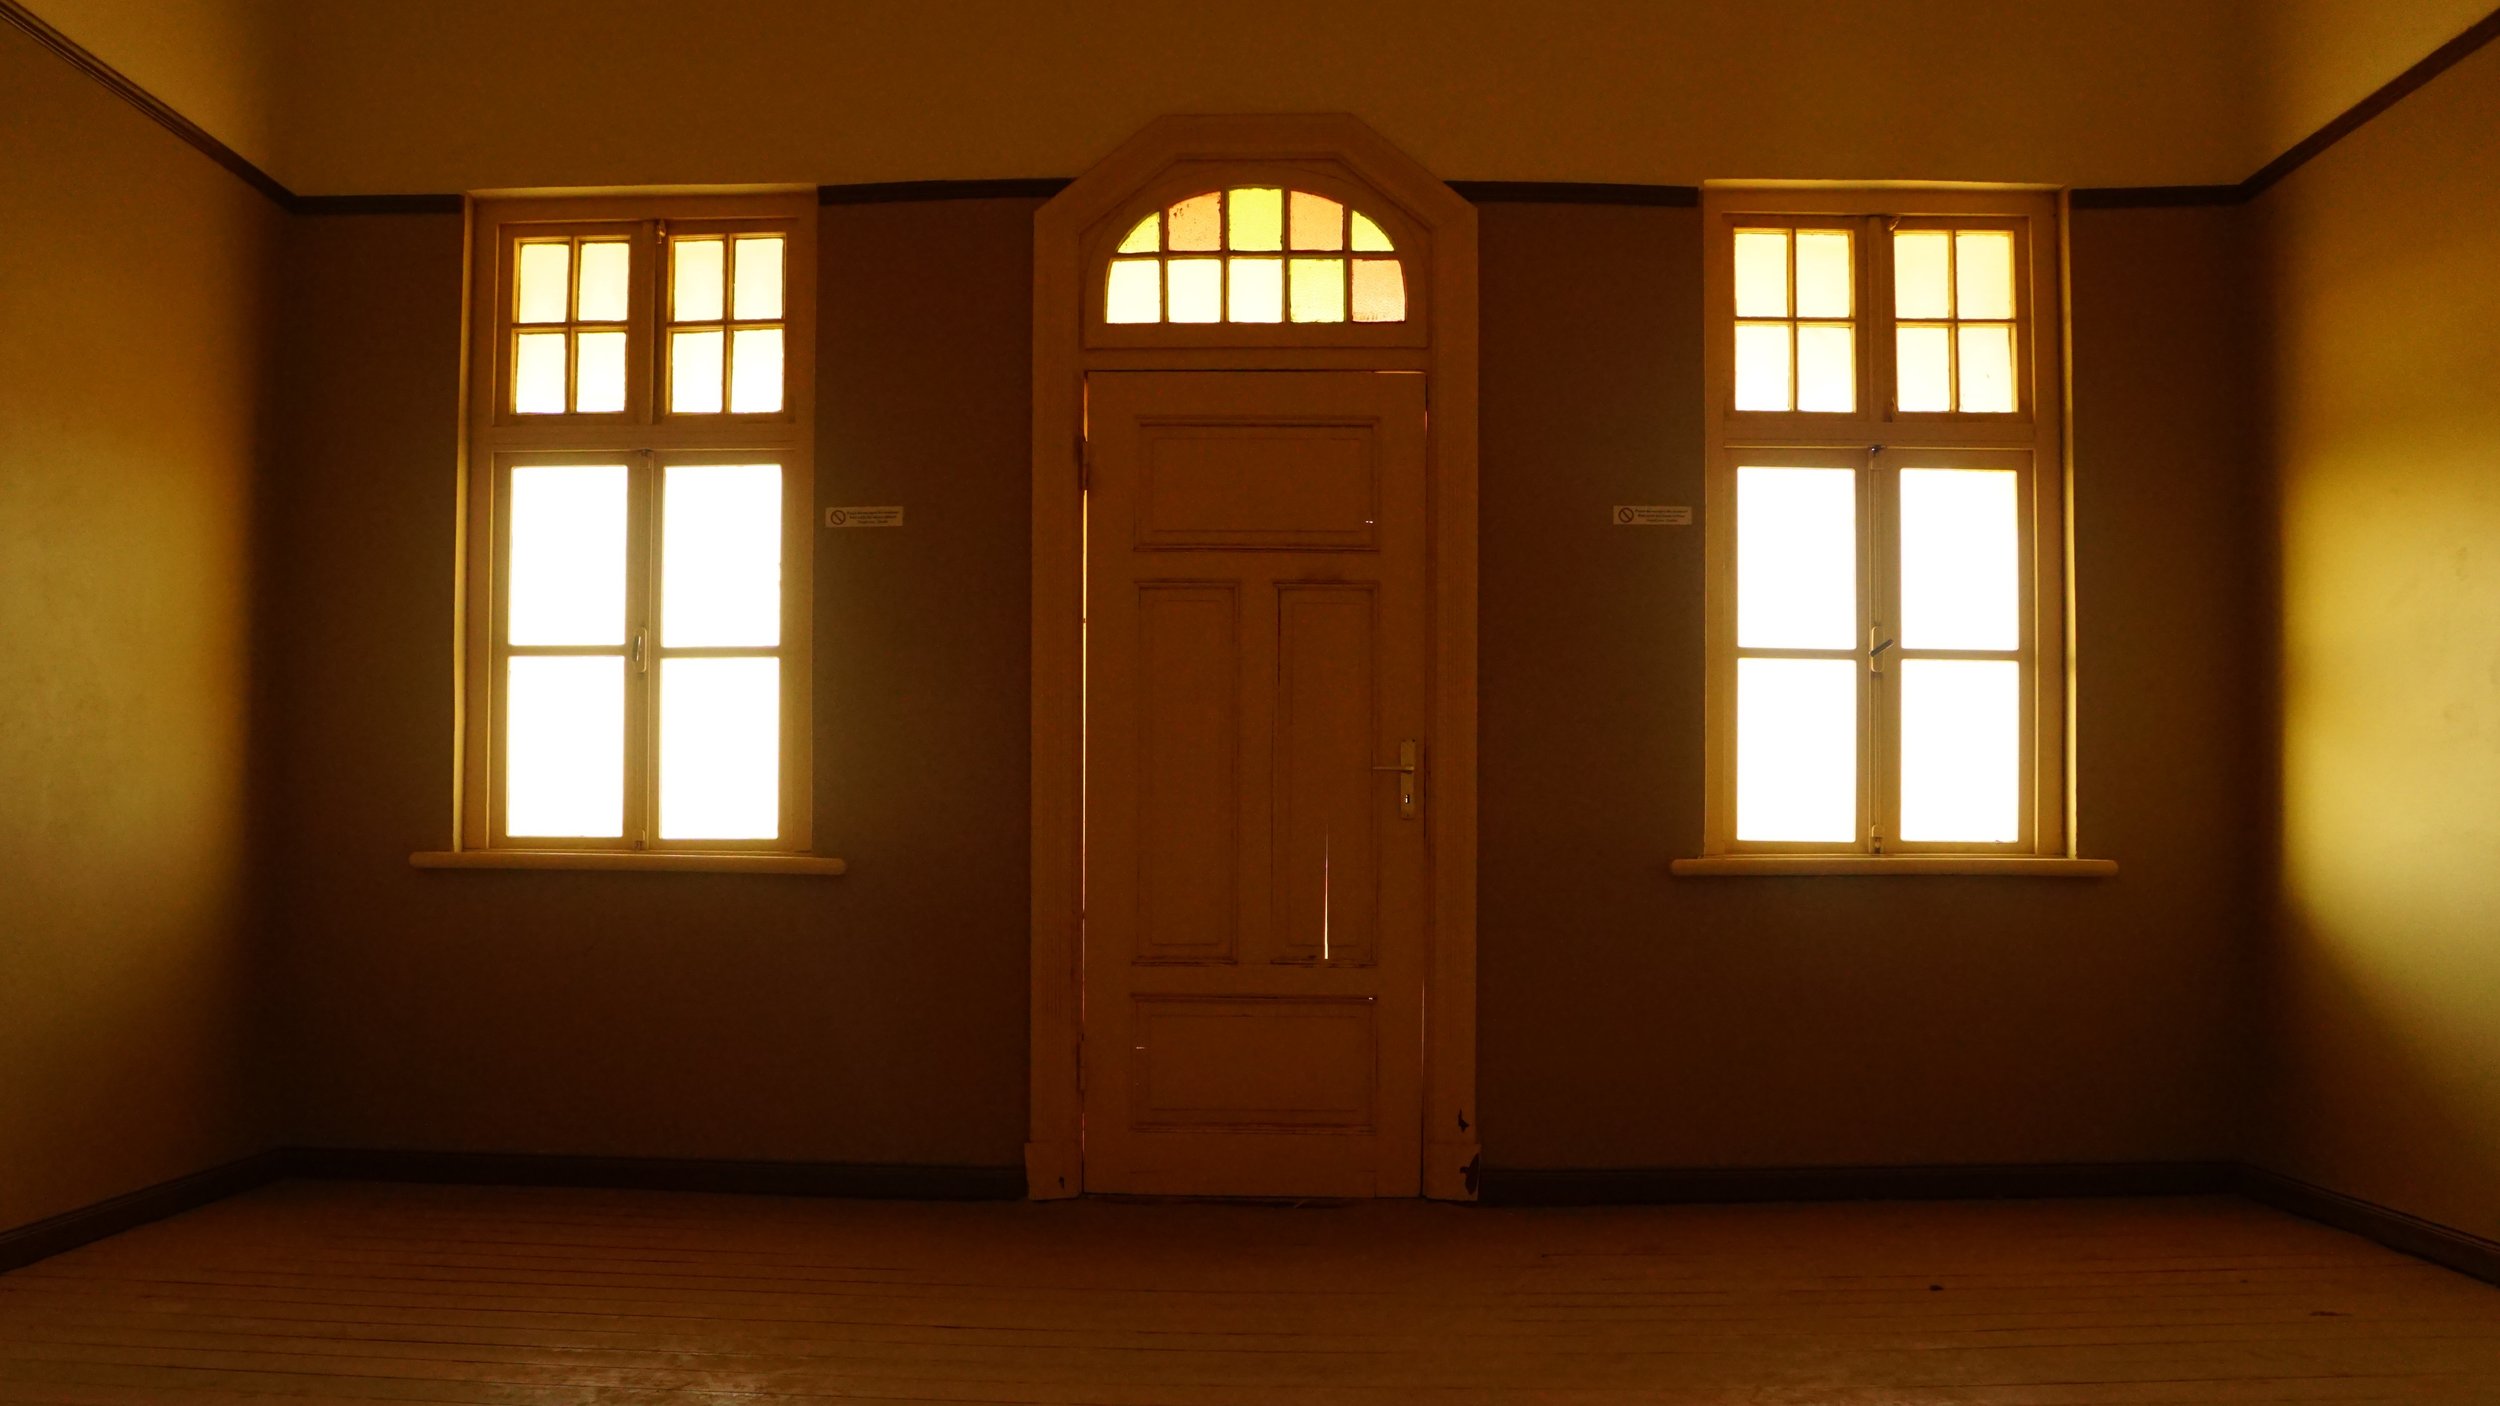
<point>1071,236</point>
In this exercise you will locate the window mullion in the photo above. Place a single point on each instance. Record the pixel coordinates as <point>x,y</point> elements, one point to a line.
<point>642,671</point>
<point>1881,745</point>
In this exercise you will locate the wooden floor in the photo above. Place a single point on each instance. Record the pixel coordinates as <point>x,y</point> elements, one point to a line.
<point>352,1292</point>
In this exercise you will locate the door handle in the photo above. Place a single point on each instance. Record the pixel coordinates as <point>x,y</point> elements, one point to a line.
<point>1406,768</point>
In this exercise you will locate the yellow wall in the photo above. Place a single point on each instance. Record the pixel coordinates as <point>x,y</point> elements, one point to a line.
<point>2312,59</point>
<point>130,414</point>
<point>469,94</point>
<point>2384,280</point>
<point>219,63</point>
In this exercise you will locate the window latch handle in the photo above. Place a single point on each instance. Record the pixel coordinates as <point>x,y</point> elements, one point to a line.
<point>642,656</point>
<point>1875,647</point>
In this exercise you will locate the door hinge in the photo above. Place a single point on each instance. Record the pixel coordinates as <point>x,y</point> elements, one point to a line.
<point>1084,464</point>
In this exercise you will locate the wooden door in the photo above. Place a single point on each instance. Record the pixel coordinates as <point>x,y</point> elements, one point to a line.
<point>1256,886</point>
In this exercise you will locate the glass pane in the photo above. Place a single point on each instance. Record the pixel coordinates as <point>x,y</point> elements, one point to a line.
<point>755,371</point>
<point>564,747</point>
<point>694,373</point>
<point>1258,293</point>
<point>1258,218</point>
<point>1984,273</point>
<point>720,555</point>
<point>566,576</point>
<point>1796,558</point>
<point>1762,273</point>
<point>1197,290</point>
<point>1318,222</point>
<point>1762,366</point>
<point>1197,223</point>
<point>756,296</point>
<point>1797,749</point>
<point>1146,238</point>
<point>607,281</point>
<point>1379,290</point>
<point>1925,356</point>
<point>1827,368</point>
<point>720,749</point>
<point>1319,290</point>
<point>1922,274</point>
<point>1824,274</point>
<point>1135,293</point>
<point>1961,750</point>
<point>599,373</point>
<point>1987,367</point>
<point>1369,238</point>
<point>538,373</point>
<point>546,273</point>
<point>697,280</point>
<point>1961,586</point>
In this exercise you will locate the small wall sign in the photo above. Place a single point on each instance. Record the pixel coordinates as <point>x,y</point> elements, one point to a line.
<point>890,516</point>
<point>1652,515</point>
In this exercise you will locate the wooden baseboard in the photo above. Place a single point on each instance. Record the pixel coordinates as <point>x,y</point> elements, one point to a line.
<point>71,1229</point>
<point>862,1180</point>
<point>2409,1234</point>
<point>1634,1186</point>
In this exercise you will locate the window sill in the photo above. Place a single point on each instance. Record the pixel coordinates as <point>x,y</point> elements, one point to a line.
<point>641,861</point>
<point>2025,866</point>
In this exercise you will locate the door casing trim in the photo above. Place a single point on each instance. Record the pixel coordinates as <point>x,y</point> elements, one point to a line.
<point>1065,234</point>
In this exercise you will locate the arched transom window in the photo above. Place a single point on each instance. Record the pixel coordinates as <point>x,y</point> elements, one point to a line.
<point>1256,254</point>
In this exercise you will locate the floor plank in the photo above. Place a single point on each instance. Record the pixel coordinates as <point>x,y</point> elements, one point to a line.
<point>331,1291</point>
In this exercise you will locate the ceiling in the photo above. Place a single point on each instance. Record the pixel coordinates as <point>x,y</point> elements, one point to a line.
<point>370,96</point>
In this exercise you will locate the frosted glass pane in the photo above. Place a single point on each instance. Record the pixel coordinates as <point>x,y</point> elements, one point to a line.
<point>1987,365</point>
<point>1922,274</point>
<point>565,581</point>
<point>1257,217</point>
<point>599,373</point>
<point>720,749</point>
<point>1369,238</point>
<point>1797,749</point>
<point>1318,222</point>
<point>1318,290</point>
<point>694,373</point>
<point>1961,586</point>
<point>1135,293</point>
<point>1197,223</point>
<point>607,282</point>
<point>1925,363</point>
<point>546,279</point>
<point>1761,273</point>
<point>1379,290</point>
<point>1827,367</point>
<point>564,747</point>
<point>1762,366</point>
<point>1984,277</point>
<point>1824,274</point>
<point>538,373</point>
<point>756,296</point>
<point>1146,238</point>
<point>1197,290</point>
<point>1961,750</point>
<point>1796,558</point>
<point>755,371</point>
<point>720,555</point>
<point>697,280</point>
<point>1258,291</point>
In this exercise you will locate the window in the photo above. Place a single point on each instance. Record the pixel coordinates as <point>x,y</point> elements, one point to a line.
<point>1886,485</point>
<point>1255,254</point>
<point>639,505</point>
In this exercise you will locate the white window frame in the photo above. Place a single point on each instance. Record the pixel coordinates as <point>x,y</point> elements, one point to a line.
<point>1878,441</point>
<point>647,439</point>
